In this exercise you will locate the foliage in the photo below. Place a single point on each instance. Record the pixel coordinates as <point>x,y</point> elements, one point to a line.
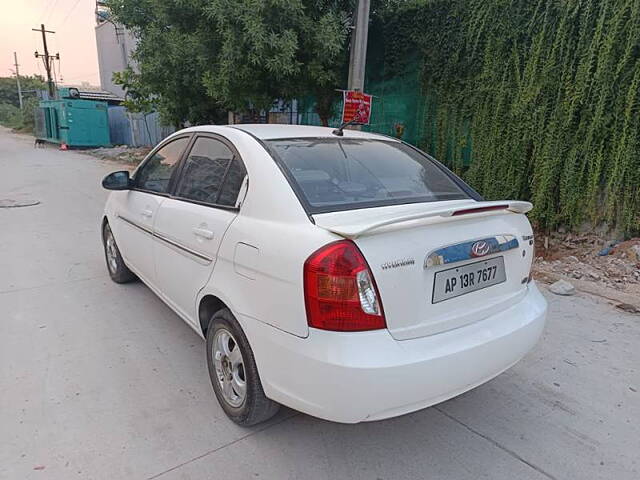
<point>13,117</point>
<point>28,120</point>
<point>176,46</point>
<point>9,89</point>
<point>545,93</point>
<point>196,59</point>
<point>10,115</point>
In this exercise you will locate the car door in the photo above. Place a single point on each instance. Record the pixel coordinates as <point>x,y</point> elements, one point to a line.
<point>192,222</point>
<point>136,213</point>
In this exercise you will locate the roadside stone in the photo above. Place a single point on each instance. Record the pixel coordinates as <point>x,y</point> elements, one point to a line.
<point>605,251</point>
<point>562,287</point>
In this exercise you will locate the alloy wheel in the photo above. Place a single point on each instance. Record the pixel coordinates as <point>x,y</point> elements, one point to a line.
<point>112,254</point>
<point>229,366</point>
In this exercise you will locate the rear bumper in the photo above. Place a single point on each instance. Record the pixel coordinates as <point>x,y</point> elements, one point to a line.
<point>354,377</point>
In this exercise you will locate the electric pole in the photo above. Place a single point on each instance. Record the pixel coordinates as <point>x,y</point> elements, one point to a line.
<point>15,60</point>
<point>47,59</point>
<point>358,54</point>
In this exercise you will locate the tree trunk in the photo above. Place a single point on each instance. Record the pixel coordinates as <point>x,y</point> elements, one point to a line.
<point>324,106</point>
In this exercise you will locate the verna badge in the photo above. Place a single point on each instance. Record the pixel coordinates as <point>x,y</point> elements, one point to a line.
<point>480,249</point>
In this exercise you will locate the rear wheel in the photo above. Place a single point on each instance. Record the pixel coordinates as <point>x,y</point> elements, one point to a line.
<point>234,374</point>
<point>118,271</point>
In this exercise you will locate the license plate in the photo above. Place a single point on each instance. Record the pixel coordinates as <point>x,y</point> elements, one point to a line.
<point>468,278</point>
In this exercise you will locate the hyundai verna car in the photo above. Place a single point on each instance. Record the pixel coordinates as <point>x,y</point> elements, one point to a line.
<point>351,277</point>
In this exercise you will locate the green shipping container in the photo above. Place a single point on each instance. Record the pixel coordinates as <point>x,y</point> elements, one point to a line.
<point>74,122</point>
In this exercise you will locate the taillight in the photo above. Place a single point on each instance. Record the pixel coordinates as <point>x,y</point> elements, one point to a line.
<point>339,289</point>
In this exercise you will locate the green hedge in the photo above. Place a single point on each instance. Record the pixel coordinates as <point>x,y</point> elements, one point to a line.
<point>543,94</point>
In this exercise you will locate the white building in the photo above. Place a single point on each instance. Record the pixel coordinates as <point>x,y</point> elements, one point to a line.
<point>115,45</point>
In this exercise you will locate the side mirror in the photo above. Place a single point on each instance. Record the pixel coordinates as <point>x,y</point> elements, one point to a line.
<point>117,181</point>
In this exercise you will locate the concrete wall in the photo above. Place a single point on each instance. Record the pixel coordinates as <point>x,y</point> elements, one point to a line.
<point>112,49</point>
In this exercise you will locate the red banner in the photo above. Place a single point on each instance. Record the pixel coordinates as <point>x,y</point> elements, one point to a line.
<point>356,106</point>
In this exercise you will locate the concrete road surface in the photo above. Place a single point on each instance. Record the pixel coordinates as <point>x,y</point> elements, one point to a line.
<point>103,381</point>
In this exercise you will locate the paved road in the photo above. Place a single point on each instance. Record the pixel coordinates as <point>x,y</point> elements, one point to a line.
<point>102,381</point>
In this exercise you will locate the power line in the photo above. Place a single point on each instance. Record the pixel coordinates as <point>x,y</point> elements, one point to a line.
<point>46,8</point>
<point>52,9</point>
<point>70,11</point>
<point>38,64</point>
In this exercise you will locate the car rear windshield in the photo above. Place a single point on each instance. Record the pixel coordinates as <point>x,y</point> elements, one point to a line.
<point>342,174</point>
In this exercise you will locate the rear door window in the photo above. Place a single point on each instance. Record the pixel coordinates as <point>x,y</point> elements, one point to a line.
<point>212,174</point>
<point>341,174</point>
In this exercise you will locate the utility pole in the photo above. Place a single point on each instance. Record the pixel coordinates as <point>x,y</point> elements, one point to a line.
<point>47,59</point>
<point>358,54</point>
<point>15,62</point>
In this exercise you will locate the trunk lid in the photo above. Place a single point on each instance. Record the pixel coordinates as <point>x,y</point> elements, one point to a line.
<point>406,246</point>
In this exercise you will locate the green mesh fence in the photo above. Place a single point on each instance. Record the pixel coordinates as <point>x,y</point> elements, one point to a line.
<point>402,109</point>
<point>398,108</point>
<point>308,116</point>
<point>401,106</point>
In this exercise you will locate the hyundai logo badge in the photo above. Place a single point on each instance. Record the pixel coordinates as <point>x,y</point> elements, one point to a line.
<point>480,249</point>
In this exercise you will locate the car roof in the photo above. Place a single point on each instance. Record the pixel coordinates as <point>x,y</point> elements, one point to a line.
<point>274,131</point>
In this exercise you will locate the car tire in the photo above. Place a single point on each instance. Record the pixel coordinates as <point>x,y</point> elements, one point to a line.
<point>234,374</point>
<point>118,271</point>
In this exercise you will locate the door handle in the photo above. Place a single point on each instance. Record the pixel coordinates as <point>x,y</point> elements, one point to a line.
<point>203,232</point>
<point>146,213</point>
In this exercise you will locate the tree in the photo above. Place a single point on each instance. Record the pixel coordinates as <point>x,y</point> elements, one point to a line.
<point>10,113</point>
<point>9,89</point>
<point>196,59</point>
<point>176,46</point>
<point>278,48</point>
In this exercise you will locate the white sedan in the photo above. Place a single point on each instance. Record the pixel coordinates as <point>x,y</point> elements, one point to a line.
<point>347,275</point>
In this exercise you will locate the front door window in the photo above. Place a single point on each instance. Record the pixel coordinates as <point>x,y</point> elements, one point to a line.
<point>155,174</point>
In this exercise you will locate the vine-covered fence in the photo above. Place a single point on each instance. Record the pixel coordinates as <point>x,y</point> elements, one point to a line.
<point>541,98</point>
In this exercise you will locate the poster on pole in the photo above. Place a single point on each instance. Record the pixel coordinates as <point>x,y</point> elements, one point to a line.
<point>356,107</point>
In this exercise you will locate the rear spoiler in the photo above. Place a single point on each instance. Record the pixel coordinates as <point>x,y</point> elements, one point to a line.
<point>474,208</point>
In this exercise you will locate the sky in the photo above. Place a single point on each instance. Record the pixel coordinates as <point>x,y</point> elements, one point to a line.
<point>72,20</point>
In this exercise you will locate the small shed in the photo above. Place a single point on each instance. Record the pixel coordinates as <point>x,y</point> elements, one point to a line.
<point>74,119</point>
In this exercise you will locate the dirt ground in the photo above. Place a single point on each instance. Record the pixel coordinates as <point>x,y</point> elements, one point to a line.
<point>121,153</point>
<point>607,268</point>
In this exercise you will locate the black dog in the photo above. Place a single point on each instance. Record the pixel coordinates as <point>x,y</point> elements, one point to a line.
<point>39,143</point>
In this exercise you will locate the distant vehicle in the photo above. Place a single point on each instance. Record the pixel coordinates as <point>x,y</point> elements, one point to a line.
<point>352,277</point>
